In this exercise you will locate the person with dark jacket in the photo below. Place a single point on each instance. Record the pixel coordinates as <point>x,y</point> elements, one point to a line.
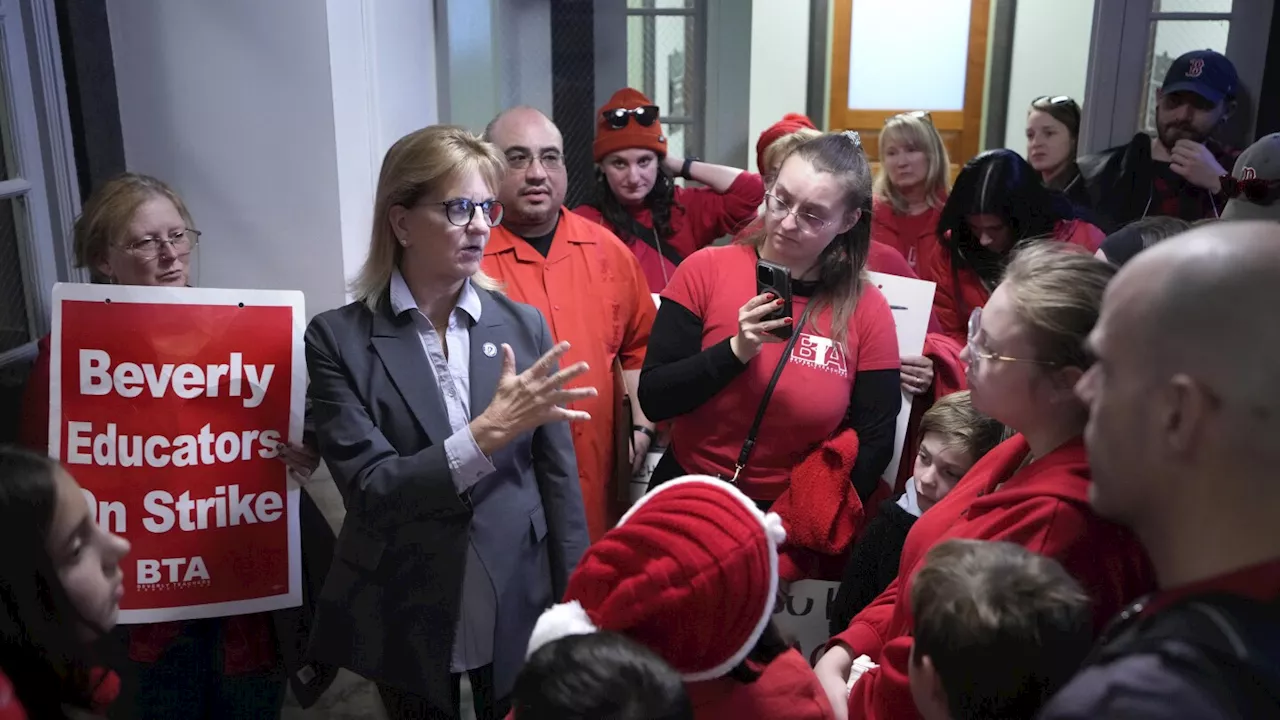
<point>954,437</point>
<point>1182,442</point>
<point>1053,136</point>
<point>1180,171</point>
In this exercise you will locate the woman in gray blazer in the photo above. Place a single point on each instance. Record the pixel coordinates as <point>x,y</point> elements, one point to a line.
<point>439,410</point>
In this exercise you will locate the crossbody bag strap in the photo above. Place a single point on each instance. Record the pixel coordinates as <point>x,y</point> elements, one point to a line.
<point>750,443</point>
<point>664,249</point>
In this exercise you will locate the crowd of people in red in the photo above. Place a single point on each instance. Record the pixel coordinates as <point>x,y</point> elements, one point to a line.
<point>1082,527</point>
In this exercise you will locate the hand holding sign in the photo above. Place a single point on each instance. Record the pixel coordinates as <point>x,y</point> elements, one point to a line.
<point>529,400</point>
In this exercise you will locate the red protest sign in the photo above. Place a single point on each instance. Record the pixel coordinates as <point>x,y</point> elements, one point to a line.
<point>167,405</point>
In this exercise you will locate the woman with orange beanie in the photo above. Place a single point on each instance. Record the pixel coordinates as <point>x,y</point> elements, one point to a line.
<point>637,199</point>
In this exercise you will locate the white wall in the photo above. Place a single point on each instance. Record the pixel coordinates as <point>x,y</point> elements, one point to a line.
<point>1050,57</point>
<point>270,119</point>
<point>779,66</point>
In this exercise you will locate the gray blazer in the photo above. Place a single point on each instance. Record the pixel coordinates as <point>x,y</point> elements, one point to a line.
<point>389,606</point>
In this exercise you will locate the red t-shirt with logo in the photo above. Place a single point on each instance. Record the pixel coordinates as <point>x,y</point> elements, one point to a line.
<point>813,392</point>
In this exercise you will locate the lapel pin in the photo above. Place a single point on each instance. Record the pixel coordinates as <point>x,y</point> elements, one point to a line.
<point>489,349</point>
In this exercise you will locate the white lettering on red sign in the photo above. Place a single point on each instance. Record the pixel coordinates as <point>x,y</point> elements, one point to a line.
<point>127,379</point>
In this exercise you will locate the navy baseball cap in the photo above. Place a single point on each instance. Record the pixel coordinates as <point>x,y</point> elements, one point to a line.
<point>1204,72</point>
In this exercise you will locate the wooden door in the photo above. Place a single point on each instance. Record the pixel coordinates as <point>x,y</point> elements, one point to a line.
<point>960,125</point>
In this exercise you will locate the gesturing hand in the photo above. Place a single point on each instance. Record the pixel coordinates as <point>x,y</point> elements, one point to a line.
<point>753,330</point>
<point>529,400</point>
<point>1197,164</point>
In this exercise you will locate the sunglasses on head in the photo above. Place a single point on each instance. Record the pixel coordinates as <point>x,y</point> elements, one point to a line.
<point>645,116</point>
<point>1256,190</point>
<point>917,114</point>
<point>1055,100</point>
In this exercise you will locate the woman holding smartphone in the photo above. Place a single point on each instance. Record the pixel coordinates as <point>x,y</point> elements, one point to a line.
<point>714,351</point>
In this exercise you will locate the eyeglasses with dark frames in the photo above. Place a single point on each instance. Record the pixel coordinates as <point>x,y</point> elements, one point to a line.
<point>978,353</point>
<point>460,211</point>
<point>645,116</point>
<point>149,247</point>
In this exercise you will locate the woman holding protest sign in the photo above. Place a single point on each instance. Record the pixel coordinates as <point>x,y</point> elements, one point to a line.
<point>135,230</point>
<point>464,514</point>
<point>61,593</point>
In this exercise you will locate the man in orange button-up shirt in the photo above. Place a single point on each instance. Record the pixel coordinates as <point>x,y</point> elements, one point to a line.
<point>588,285</point>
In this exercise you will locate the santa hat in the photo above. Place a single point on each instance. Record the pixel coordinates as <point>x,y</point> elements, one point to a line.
<point>632,135</point>
<point>691,571</point>
<point>789,123</point>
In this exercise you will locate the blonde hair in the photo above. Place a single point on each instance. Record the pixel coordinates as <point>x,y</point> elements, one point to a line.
<point>1056,289</point>
<point>962,426</point>
<point>841,266</point>
<point>779,149</point>
<point>919,133</point>
<point>421,163</point>
<point>104,220</point>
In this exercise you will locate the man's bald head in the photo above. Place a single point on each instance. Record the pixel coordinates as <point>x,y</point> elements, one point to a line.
<point>1207,302</point>
<point>533,190</point>
<point>519,117</point>
<point>1184,397</point>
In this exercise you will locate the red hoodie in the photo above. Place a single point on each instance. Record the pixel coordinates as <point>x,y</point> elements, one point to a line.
<point>1043,507</point>
<point>699,216</point>
<point>787,690</point>
<point>960,290</point>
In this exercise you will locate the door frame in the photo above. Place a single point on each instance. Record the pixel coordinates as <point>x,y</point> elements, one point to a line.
<point>1118,53</point>
<point>841,117</point>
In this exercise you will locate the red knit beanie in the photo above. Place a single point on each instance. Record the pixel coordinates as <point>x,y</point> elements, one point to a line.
<point>633,134</point>
<point>691,572</point>
<point>789,123</point>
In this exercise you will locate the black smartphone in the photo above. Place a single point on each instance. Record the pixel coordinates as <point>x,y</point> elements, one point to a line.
<point>776,279</point>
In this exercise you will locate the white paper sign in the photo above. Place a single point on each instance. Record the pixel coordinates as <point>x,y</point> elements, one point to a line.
<point>911,302</point>
<point>804,614</point>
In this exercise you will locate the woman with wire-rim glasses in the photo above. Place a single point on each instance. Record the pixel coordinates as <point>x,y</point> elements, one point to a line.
<point>135,230</point>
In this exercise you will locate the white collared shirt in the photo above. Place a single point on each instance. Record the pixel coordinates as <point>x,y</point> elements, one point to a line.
<point>477,610</point>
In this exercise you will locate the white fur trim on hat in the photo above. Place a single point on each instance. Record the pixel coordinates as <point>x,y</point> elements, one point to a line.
<point>774,534</point>
<point>560,621</point>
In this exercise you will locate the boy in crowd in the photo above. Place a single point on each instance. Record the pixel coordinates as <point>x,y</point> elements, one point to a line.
<point>953,436</point>
<point>998,630</point>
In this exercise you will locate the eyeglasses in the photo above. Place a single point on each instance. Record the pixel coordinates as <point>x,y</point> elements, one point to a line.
<point>645,115</point>
<point>1055,100</point>
<point>924,115</point>
<point>181,242</point>
<point>978,353</point>
<point>1256,190</point>
<point>811,224</point>
<point>550,160</point>
<point>461,210</point>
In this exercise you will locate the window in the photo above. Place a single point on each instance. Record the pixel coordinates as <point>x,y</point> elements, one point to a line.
<point>665,51</point>
<point>1177,27</point>
<point>38,198</point>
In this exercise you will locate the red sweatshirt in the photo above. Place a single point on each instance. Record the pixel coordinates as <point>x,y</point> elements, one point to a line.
<point>787,690</point>
<point>960,290</point>
<point>1043,507</point>
<point>699,217</point>
<point>914,236</point>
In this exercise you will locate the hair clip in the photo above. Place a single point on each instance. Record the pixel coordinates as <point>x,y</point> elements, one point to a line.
<point>853,137</point>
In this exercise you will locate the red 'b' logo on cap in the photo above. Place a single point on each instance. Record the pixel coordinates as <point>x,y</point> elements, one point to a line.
<point>1197,67</point>
<point>1248,174</point>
